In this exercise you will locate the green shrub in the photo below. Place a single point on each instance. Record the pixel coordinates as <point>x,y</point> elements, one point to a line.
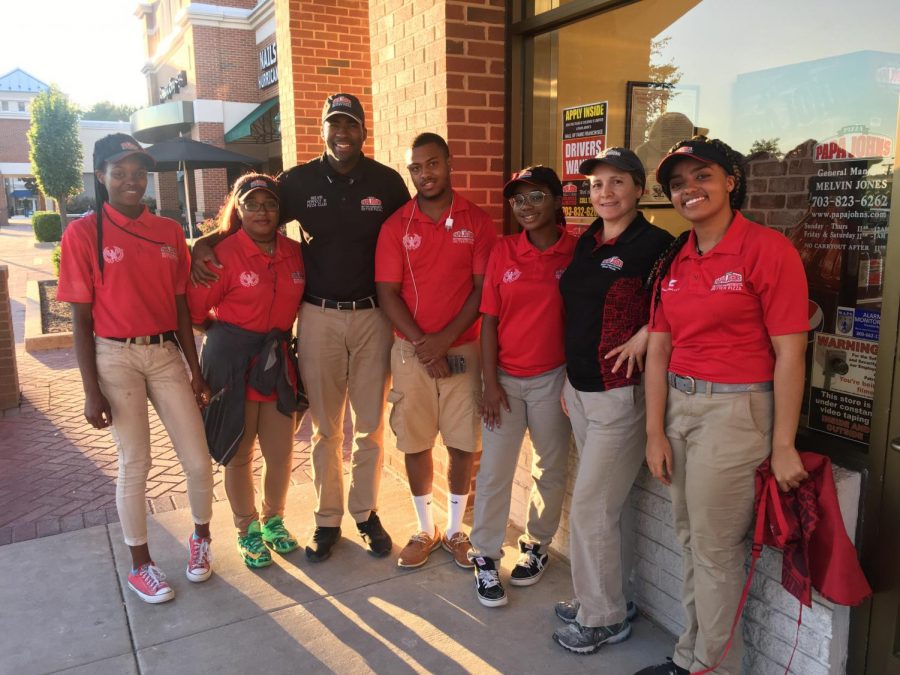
<point>46,226</point>
<point>54,258</point>
<point>80,204</point>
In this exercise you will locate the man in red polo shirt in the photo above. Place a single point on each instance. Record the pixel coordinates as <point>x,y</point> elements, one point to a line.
<point>429,267</point>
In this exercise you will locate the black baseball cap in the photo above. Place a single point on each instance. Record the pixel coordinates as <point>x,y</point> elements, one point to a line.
<point>538,176</point>
<point>343,104</point>
<point>116,147</point>
<point>693,149</point>
<point>619,158</point>
<point>258,183</point>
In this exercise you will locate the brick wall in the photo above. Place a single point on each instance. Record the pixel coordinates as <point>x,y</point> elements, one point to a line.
<point>9,376</point>
<point>323,48</point>
<point>13,140</point>
<point>4,219</point>
<point>226,64</point>
<point>166,193</point>
<point>210,185</point>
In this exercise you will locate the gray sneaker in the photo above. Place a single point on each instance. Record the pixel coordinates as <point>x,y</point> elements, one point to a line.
<point>567,610</point>
<point>586,640</point>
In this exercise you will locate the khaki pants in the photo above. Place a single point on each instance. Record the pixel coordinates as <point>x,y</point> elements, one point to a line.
<point>534,405</point>
<point>422,406</point>
<point>276,442</point>
<point>345,353</point>
<point>128,375</point>
<point>610,436</point>
<point>717,443</point>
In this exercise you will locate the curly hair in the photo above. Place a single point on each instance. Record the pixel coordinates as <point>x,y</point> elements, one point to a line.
<point>737,169</point>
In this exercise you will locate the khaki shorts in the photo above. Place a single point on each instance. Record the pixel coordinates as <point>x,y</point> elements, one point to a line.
<point>422,407</point>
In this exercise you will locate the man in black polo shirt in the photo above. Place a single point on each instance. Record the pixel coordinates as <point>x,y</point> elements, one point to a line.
<point>340,200</point>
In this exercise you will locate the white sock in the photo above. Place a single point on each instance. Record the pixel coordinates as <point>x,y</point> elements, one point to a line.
<point>424,514</point>
<point>456,507</point>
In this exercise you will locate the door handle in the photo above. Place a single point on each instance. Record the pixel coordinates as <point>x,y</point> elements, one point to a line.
<point>895,444</point>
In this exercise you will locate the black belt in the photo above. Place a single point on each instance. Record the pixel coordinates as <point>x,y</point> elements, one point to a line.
<point>691,385</point>
<point>366,303</point>
<point>158,339</point>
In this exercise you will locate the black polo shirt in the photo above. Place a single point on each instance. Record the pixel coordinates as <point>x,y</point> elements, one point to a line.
<point>343,215</point>
<point>605,300</point>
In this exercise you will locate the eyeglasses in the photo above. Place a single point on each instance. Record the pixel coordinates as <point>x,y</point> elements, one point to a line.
<point>535,198</point>
<point>253,207</point>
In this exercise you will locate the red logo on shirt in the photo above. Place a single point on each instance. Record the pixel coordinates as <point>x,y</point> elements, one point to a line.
<point>615,263</point>
<point>113,254</point>
<point>412,241</point>
<point>168,252</point>
<point>371,204</point>
<point>249,279</point>
<point>558,273</point>
<point>730,281</point>
<point>297,277</point>
<point>671,286</point>
<point>464,237</point>
<point>511,275</point>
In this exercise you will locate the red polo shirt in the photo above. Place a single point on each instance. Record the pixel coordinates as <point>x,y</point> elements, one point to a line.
<point>434,264</point>
<point>722,307</point>
<point>521,288</point>
<point>146,264</point>
<point>254,291</point>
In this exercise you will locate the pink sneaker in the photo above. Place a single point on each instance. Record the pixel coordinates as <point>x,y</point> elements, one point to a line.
<point>199,567</point>
<point>149,582</point>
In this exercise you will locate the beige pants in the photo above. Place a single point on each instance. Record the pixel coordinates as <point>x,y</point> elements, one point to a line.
<point>717,443</point>
<point>345,354</point>
<point>129,375</point>
<point>422,406</point>
<point>610,437</point>
<point>534,405</point>
<point>276,442</point>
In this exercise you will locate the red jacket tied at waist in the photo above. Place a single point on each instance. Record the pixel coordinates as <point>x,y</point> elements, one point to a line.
<point>806,525</point>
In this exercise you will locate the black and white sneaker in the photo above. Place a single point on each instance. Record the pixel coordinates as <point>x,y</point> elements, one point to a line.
<point>586,639</point>
<point>567,610</point>
<point>667,668</point>
<point>488,588</point>
<point>530,566</point>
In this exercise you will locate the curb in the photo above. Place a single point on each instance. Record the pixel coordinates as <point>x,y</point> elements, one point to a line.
<point>35,339</point>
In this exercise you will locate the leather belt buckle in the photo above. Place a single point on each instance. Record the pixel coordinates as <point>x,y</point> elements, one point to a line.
<point>684,383</point>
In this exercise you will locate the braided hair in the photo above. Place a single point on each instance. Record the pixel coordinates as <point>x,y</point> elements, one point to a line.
<point>102,197</point>
<point>736,169</point>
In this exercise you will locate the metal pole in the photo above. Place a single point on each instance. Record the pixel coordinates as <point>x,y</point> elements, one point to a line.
<point>187,200</point>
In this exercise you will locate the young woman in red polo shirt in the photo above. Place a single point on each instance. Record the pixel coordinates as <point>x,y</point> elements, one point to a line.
<point>125,271</point>
<point>724,382</point>
<point>523,371</point>
<point>248,359</point>
<point>607,308</point>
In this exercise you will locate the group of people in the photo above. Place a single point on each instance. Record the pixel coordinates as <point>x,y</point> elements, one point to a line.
<point>687,353</point>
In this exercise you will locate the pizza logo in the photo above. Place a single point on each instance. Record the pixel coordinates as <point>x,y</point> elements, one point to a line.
<point>371,204</point>
<point>730,281</point>
<point>615,263</point>
<point>412,241</point>
<point>113,254</point>
<point>511,275</point>
<point>464,237</point>
<point>297,277</point>
<point>249,279</point>
<point>168,252</point>
<point>671,286</point>
<point>340,100</point>
<point>570,188</point>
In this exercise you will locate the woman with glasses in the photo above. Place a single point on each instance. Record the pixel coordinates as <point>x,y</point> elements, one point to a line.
<point>607,309</point>
<point>523,371</point>
<point>250,362</point>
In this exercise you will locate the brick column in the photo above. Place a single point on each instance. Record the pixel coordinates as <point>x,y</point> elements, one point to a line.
<point>9,375</point>
<point>323,48</point>
<point>167,195</point>
<point>210,185</point>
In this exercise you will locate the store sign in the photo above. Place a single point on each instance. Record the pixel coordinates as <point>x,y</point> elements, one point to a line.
<point>268,66</point>
<point>854,143</point>
<point>583,137</point>
<point>173,86</point>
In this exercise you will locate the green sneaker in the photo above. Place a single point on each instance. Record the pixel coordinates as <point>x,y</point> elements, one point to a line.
<point>276,536</point>
<point>252,549</point>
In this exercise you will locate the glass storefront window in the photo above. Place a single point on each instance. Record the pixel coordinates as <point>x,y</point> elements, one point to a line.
<point>807,90</point>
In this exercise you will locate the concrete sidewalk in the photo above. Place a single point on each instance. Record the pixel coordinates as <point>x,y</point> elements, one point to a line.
<point>65,609</point>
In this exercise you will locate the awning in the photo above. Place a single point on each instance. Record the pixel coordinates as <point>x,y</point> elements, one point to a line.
<point>21,194</point>
<point>242,128</point>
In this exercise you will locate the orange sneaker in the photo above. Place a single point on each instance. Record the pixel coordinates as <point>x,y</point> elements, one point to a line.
<point>459,546</point>
<point>419,547</point>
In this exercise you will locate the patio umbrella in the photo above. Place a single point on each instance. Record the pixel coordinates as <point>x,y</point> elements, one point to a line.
<point>186,154</point>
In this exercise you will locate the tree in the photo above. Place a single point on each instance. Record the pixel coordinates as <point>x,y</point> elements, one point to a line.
<point>769,145</point>
<point>55,149</point>
<point>111,112</point>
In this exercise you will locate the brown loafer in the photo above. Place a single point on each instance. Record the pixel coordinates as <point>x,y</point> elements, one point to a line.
<point>419,547</point>
<point>459,546</point>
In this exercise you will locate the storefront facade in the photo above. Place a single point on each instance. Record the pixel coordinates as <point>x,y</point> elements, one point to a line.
<point>212,75</point>
<point>807,90</point>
